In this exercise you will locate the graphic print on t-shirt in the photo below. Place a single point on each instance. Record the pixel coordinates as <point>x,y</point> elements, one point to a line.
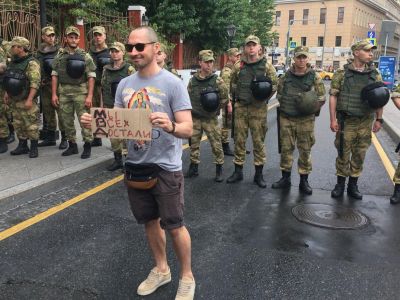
<point>143,98</point>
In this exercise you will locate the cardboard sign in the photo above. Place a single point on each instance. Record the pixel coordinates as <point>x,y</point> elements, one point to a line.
<point>121,123</point>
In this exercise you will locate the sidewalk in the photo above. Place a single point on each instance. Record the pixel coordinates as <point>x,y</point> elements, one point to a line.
<point>391,116</point>
<point>21,173</point>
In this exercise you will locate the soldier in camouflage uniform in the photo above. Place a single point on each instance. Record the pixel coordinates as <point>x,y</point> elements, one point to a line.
<point>233,59</point>
<point>21,83</point>
<point>352,119</point>
<point>112,75</point>
<point>395,199</point>
<point>3,116</point>
<point>73,78</point>
<point>46,54</point>
<point>250,113</point>
<point>301,93</point>
<point>161,61</point>
<point>101,56</point>
<point>204,120</point>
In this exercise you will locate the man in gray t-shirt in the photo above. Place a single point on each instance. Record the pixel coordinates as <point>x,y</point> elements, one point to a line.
<point>158,204</point>
<point>161,93</point>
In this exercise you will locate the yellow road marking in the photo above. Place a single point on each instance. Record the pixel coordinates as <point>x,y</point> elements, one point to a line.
<point>384,158</point>
<point>52,211</point>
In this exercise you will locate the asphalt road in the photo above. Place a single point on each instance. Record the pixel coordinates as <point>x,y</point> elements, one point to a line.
<point>246,242</point>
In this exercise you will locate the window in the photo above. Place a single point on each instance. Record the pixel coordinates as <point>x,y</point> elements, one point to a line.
<point>340,15</point>
<point>304,41</point>
<point>338,41</point>
<point>322,16</point>
<point>291,16</point>
<point>318,64</point>
<point>277,18</point>
<point>305,16</point>
<point>320,41</point>
<point>276,41</point>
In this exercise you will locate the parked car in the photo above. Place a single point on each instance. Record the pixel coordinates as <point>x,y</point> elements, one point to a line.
<point>325,75</point>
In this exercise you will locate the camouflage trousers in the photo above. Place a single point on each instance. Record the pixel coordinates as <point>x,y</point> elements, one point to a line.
<point>26,121</point>
<point>253,118</point>
<point>117,145</point>
<point>96,102</point>
<point>357,139</point>
<point>49,112</point>
<point>298,131</point>
<point>212,130</point>
<point>396,178</point>
<point>3,117</point>
<point>69,105</point>
<point>226,125</point>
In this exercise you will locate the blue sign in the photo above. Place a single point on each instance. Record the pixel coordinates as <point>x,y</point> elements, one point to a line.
<point>371,34</point>
<point>387,65</point>
<point>293,44</point>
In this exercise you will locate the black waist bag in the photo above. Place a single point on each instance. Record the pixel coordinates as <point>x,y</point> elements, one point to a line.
<point>141,176</point>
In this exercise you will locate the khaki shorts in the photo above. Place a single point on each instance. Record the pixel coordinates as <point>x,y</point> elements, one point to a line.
<point>164,201</point>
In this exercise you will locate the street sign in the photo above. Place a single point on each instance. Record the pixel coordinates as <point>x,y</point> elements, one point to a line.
<point>387,65</point>
<point>274,54</point>
<point>371,26</point>
<point>292,45</point>
<point>371,34</point>
<point>373,42</point>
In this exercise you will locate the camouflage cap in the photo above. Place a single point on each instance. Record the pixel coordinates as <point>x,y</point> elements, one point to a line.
<point>72,29</point>
<point>48,30</point>
<point>252,38</point>
<point>118,46</point>
<point>233,51</point>
<point>206,55</point>
<point>301,50</point>
<point>20,41</point>
<point>362,45</point>
<point>99,29</point>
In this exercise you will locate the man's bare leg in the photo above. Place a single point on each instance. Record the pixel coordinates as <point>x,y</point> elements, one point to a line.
<point>157,242</point>
<point>182,246</point>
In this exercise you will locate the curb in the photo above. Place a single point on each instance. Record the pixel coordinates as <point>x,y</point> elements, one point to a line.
<point>391,129</point>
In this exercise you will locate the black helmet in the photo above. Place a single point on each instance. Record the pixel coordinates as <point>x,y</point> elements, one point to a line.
<point>76,66</point>
<point>261,88</point>
<point>47,65</point>
<point>14,82</point>
<point>209,99</point>
<point>376,94</point>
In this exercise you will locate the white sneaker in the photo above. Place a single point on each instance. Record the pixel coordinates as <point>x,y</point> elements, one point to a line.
<point>186,289</point>
<point>153,282</point>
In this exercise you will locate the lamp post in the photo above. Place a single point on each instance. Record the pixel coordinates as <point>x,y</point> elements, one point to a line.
<point>145,20</point>
<point>231,30</point>
<point>273,47</point>
<point>323,44</point>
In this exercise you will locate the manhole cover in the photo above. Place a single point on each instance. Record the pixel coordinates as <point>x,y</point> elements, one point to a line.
<point>329,216</point>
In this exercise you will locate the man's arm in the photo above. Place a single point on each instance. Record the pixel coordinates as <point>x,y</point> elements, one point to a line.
<point>181,128</point>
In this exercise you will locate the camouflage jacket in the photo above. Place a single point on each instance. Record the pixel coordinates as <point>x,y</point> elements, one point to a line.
<point>318,84</point>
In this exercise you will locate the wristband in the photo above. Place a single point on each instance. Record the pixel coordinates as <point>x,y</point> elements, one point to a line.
<point>173,127</point>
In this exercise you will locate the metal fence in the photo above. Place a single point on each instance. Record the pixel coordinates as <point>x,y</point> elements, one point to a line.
<point>20,18</point>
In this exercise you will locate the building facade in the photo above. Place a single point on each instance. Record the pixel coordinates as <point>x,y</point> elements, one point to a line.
<point>330,27</point>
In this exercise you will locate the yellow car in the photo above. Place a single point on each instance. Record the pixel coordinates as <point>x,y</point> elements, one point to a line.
<point>325,75</point>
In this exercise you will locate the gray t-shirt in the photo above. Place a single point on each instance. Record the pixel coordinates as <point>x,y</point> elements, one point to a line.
<point>163,92</point>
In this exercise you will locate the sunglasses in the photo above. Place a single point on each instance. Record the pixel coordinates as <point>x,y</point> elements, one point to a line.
<point>139,46</point>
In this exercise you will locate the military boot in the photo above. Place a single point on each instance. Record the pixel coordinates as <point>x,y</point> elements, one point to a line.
<point>11,134</point>
<point>22,148</point>
<point>33,153</point>
<point>49,140</point>
<point>3,145</point>
<point>64,143</point>
<point>193,171</point>
<point>304,186</point>
<point>227,149</point>
<point>237,175</point>
<point>258,177</point>
<point>96,142</point>
<point>117,163</point>
<point>352,188</point>
<point>339,187</point>
<point>284,182</point>
<point>87,150</point>
<point>395,199</point>
<point>72,149</point>
<point>218,173</point>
